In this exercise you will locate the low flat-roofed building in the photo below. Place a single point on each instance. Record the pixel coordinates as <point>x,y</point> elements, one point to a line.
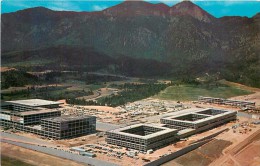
<point>141,136</point>
<point>199,119</point>
<point>28,117</point>
<point>29,104</point>
<point>237,103</point>
<point>68,126</point>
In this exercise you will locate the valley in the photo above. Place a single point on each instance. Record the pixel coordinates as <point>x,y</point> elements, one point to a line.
<point>135,83</point>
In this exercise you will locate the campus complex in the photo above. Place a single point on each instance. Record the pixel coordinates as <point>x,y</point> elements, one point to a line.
<point>43,118</point>
<point>152,136</point>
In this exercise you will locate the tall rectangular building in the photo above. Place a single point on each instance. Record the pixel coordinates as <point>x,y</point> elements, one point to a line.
<point>68,126</point>
<point>41,117</point>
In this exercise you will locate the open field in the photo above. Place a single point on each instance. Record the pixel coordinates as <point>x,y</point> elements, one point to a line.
<point>31,63</point>
<point>45,92</point>
<point>3,69</point>
<point>202,156</point>
<point>8,161</point>
<point>251,153</point>
<point>32,157</point>
<point>191,92</point>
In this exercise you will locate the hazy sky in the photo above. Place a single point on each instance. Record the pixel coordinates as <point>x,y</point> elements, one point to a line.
<point>216,8</point>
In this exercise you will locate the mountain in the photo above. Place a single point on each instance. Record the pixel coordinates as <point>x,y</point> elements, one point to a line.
<point>185,36</point>
<point>188,8</point>
<point>137,8</point>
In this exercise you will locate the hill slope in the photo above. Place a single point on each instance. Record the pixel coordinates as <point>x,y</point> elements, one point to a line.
<point>186,36</point>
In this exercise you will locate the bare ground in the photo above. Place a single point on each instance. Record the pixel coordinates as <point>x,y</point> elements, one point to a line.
<point>33,157</point>
<point>202,156</point>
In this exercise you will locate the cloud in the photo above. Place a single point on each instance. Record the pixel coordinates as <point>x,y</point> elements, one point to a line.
<point>63,6</point>
<point>167,2</point>
<point>21,4</point>
<point>51,4</point>
<point>99,7</point>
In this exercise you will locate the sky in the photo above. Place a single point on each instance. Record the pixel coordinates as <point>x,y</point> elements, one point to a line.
<point>218,8</point>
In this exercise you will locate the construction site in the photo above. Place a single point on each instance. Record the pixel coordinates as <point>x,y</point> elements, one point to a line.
<point>221,101</point>
<point>42,117</point>
<point>144,137</point>
<point>139,138</point>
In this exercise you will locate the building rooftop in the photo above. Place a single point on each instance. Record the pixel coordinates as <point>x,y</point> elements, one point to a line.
<point>34,102</point>
<point>204,115</point>
<point>34,112</point>
<point>68,118</point>
<point>138,131</point>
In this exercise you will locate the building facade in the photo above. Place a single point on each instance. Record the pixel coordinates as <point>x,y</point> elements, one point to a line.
<point>141,136</point>
<point>43,118</point>
<point>69,126</point>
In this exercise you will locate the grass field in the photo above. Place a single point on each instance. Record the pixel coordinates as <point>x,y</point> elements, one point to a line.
<point>50,93</point>
<point>7,161</point>
<point>191,92</point>
<point>28,63</point>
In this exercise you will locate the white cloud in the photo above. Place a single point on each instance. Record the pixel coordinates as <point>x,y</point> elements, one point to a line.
<point>98,7</point>
<point>63,6</point>
<point>21,4</point>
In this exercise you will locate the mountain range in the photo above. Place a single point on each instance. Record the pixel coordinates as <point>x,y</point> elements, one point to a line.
<point>136,38</point>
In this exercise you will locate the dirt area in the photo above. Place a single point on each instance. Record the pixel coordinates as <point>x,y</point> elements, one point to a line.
<point>204,155</point>
<point>7,161</point>
<point>33,157</point>
<point>103,113</point>
<point>251,153</point>
<point>218,152</point>
<point>3,69</point>
<point>134,112</point>
<point>90,139</point>
<point>244,150</point>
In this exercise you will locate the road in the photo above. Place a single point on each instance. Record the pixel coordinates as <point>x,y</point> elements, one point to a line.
<point>111,75</point>
<point>101,126</point>
<point>26,139</point>
<point>61,154</point>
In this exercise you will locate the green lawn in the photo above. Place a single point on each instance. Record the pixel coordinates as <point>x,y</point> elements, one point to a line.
<point>51,93</point>
<point>190,92</point>
<point>29,63</point>
<point>7,161</point>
